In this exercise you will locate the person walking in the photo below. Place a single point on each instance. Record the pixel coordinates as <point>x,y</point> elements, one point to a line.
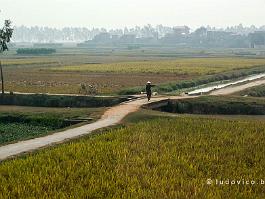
<point>148,89</point>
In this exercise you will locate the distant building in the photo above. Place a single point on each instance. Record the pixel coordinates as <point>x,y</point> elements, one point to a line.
<point>102,38</point>
<point>257,39</point>
<point>201,32</point>
<point>177,37</point>
<point>180,30</point>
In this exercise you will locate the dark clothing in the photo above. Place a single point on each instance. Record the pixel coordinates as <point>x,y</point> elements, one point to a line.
<point>149,90</point>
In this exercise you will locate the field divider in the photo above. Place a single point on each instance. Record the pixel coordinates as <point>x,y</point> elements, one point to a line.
<point>111,117</point>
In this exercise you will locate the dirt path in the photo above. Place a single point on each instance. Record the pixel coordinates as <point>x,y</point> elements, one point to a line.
<point>234,89</point>
<point>111,117</point>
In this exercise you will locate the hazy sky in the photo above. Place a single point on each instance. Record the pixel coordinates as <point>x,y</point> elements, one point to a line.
<point>121,13</point>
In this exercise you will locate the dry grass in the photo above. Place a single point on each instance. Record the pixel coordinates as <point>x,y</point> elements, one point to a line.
<point>53,75</point>
<point>29,80</point>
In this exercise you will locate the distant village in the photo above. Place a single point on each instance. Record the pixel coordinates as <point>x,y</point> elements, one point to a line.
<point>231,37</point>
<point>181,36</point>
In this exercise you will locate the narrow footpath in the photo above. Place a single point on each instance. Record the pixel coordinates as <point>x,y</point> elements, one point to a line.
<point>111,117</point>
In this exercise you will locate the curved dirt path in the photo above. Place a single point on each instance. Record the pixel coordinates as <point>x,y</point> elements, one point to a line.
<point>111,117</point>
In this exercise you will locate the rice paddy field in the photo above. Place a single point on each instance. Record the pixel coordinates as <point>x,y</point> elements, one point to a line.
<point>151,154</point>
<point>190,66</point>
<point>178,157</point>
<point>112,70</point>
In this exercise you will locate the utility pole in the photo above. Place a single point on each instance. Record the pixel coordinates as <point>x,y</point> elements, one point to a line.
<point>2,79</point>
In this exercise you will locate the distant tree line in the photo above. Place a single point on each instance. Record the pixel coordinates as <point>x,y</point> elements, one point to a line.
<point>50,35</point>
<point>35,51</point>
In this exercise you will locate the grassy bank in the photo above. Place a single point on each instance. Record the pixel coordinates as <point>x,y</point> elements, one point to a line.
<point>257,91</point>
<point>166,158</point>
<point>41,100</point>
<point>217,105</point>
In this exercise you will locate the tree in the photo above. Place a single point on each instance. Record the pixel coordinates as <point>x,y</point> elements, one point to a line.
<point>5,36</point>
